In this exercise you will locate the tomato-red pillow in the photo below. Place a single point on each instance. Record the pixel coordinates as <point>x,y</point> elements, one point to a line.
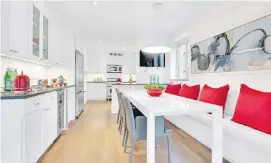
<point>216,96</point>
<point>191,92</point>
<point>173,88</point>
<point>253,109</point>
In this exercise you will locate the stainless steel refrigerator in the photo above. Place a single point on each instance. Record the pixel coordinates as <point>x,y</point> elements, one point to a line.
<point>79,83</point>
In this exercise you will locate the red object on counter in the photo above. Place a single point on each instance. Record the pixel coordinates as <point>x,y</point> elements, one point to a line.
<point>22,83</point>
<point>118,79</point>
<point>154,92</point>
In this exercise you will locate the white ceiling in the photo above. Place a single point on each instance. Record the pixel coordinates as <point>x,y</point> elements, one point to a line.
<point>135,24</point>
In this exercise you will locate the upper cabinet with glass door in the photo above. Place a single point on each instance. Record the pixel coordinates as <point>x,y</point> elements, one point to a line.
<point>36,32</point>
<point>21,23</point>
<point>45,38</point>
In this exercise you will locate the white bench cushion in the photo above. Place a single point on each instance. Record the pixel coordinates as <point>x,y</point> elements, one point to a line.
<point>249,135</point>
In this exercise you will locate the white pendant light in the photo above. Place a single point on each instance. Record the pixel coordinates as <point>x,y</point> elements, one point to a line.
<point>156,49</point>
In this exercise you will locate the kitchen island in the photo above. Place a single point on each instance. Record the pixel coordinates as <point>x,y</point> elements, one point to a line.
<point>125,87</point>
<point>96,90</point>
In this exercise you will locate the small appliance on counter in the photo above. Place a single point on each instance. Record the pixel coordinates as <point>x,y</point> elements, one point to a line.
<point>21,83</point>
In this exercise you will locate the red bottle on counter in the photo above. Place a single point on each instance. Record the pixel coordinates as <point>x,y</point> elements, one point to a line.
<point>22,83</point>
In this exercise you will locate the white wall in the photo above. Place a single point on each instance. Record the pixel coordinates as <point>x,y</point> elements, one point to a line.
<point>230,18</point>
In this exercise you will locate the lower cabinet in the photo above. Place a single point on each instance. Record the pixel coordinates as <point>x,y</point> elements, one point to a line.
<point>49,127</point>
<point>96,91</point>
<point>33,136</point>
<point>70,103</point>
<point>40,127</point>
<point>29,126</point>
<point>49,119</point>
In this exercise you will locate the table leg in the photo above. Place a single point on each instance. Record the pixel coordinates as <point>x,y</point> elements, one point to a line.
<point>151,139</point>
<point>217,149</point>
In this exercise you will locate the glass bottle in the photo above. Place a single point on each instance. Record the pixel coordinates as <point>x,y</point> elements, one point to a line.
<point>8,83</point>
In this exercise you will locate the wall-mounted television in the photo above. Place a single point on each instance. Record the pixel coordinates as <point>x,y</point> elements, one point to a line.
<point>151,59</point>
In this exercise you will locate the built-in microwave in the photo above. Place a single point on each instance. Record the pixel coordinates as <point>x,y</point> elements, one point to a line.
<point>114,68</point>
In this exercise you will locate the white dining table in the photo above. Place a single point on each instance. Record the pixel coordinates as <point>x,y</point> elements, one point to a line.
<point>168,104</point>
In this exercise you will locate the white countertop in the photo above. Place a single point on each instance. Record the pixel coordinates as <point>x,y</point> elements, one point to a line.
<point>168,104</point>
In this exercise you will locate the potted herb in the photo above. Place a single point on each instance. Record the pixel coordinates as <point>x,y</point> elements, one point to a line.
<point>154,89</point>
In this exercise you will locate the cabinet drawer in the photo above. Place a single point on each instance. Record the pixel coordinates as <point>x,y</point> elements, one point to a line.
<point>32,104</point>
<point>48,99</point>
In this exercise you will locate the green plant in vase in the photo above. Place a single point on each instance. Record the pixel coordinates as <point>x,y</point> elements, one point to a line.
<point>154,87</point>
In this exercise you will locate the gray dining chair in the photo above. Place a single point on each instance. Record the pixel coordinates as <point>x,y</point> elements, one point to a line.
<point>121,112</point>
<point>136,128</point>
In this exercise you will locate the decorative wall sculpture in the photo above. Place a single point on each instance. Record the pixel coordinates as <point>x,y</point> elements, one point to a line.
<point>244,48</point>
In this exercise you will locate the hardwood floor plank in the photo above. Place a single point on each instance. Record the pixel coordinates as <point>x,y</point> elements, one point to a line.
<point>94,138</point>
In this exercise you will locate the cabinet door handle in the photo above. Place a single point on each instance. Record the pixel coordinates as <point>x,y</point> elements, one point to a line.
<point>37,104</point>
<point>52,98</point>
<point>13,50</point>
<point>46,109</point>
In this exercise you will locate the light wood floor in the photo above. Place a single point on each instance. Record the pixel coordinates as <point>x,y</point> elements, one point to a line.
<point>94,139</point>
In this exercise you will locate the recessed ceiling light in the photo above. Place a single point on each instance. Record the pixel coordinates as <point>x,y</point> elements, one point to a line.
<point>156,49</point>
<point>95,3</point>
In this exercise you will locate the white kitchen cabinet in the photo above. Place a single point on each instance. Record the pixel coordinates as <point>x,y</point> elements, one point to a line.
<point>115,60</point>
<point>97,63</point>
<point>22,27</point>
<point>49,125</point>
<point>33,136</point>
<point>28,127</point>
<point>129,64</point>
<point>96,91</point>
<point>15,22</point>
<point>70,103</point>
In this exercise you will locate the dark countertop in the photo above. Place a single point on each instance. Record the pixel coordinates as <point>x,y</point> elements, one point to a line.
<point>96,82</point>
<point>14,96</point>
<point>136,83</point>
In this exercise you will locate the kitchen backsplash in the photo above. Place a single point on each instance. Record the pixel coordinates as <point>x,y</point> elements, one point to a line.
<point>92,77</point>
<point>35,71</point>
<point>125,77</point>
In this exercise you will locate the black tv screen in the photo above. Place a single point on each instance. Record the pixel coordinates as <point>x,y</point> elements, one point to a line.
<point>151,59</point>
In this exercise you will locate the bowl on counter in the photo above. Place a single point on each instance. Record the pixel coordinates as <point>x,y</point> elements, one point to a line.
<point>154,92</point>
<point>54,80</point>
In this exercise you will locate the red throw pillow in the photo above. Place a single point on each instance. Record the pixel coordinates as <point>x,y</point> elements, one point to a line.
<point>253,109</point>
<point>216,96</point>
<point>191,92</point>
<point>173,88</point>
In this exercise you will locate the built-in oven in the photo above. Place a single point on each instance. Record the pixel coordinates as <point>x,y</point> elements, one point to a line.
<point>110,82</point>
<point>114,68</point>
